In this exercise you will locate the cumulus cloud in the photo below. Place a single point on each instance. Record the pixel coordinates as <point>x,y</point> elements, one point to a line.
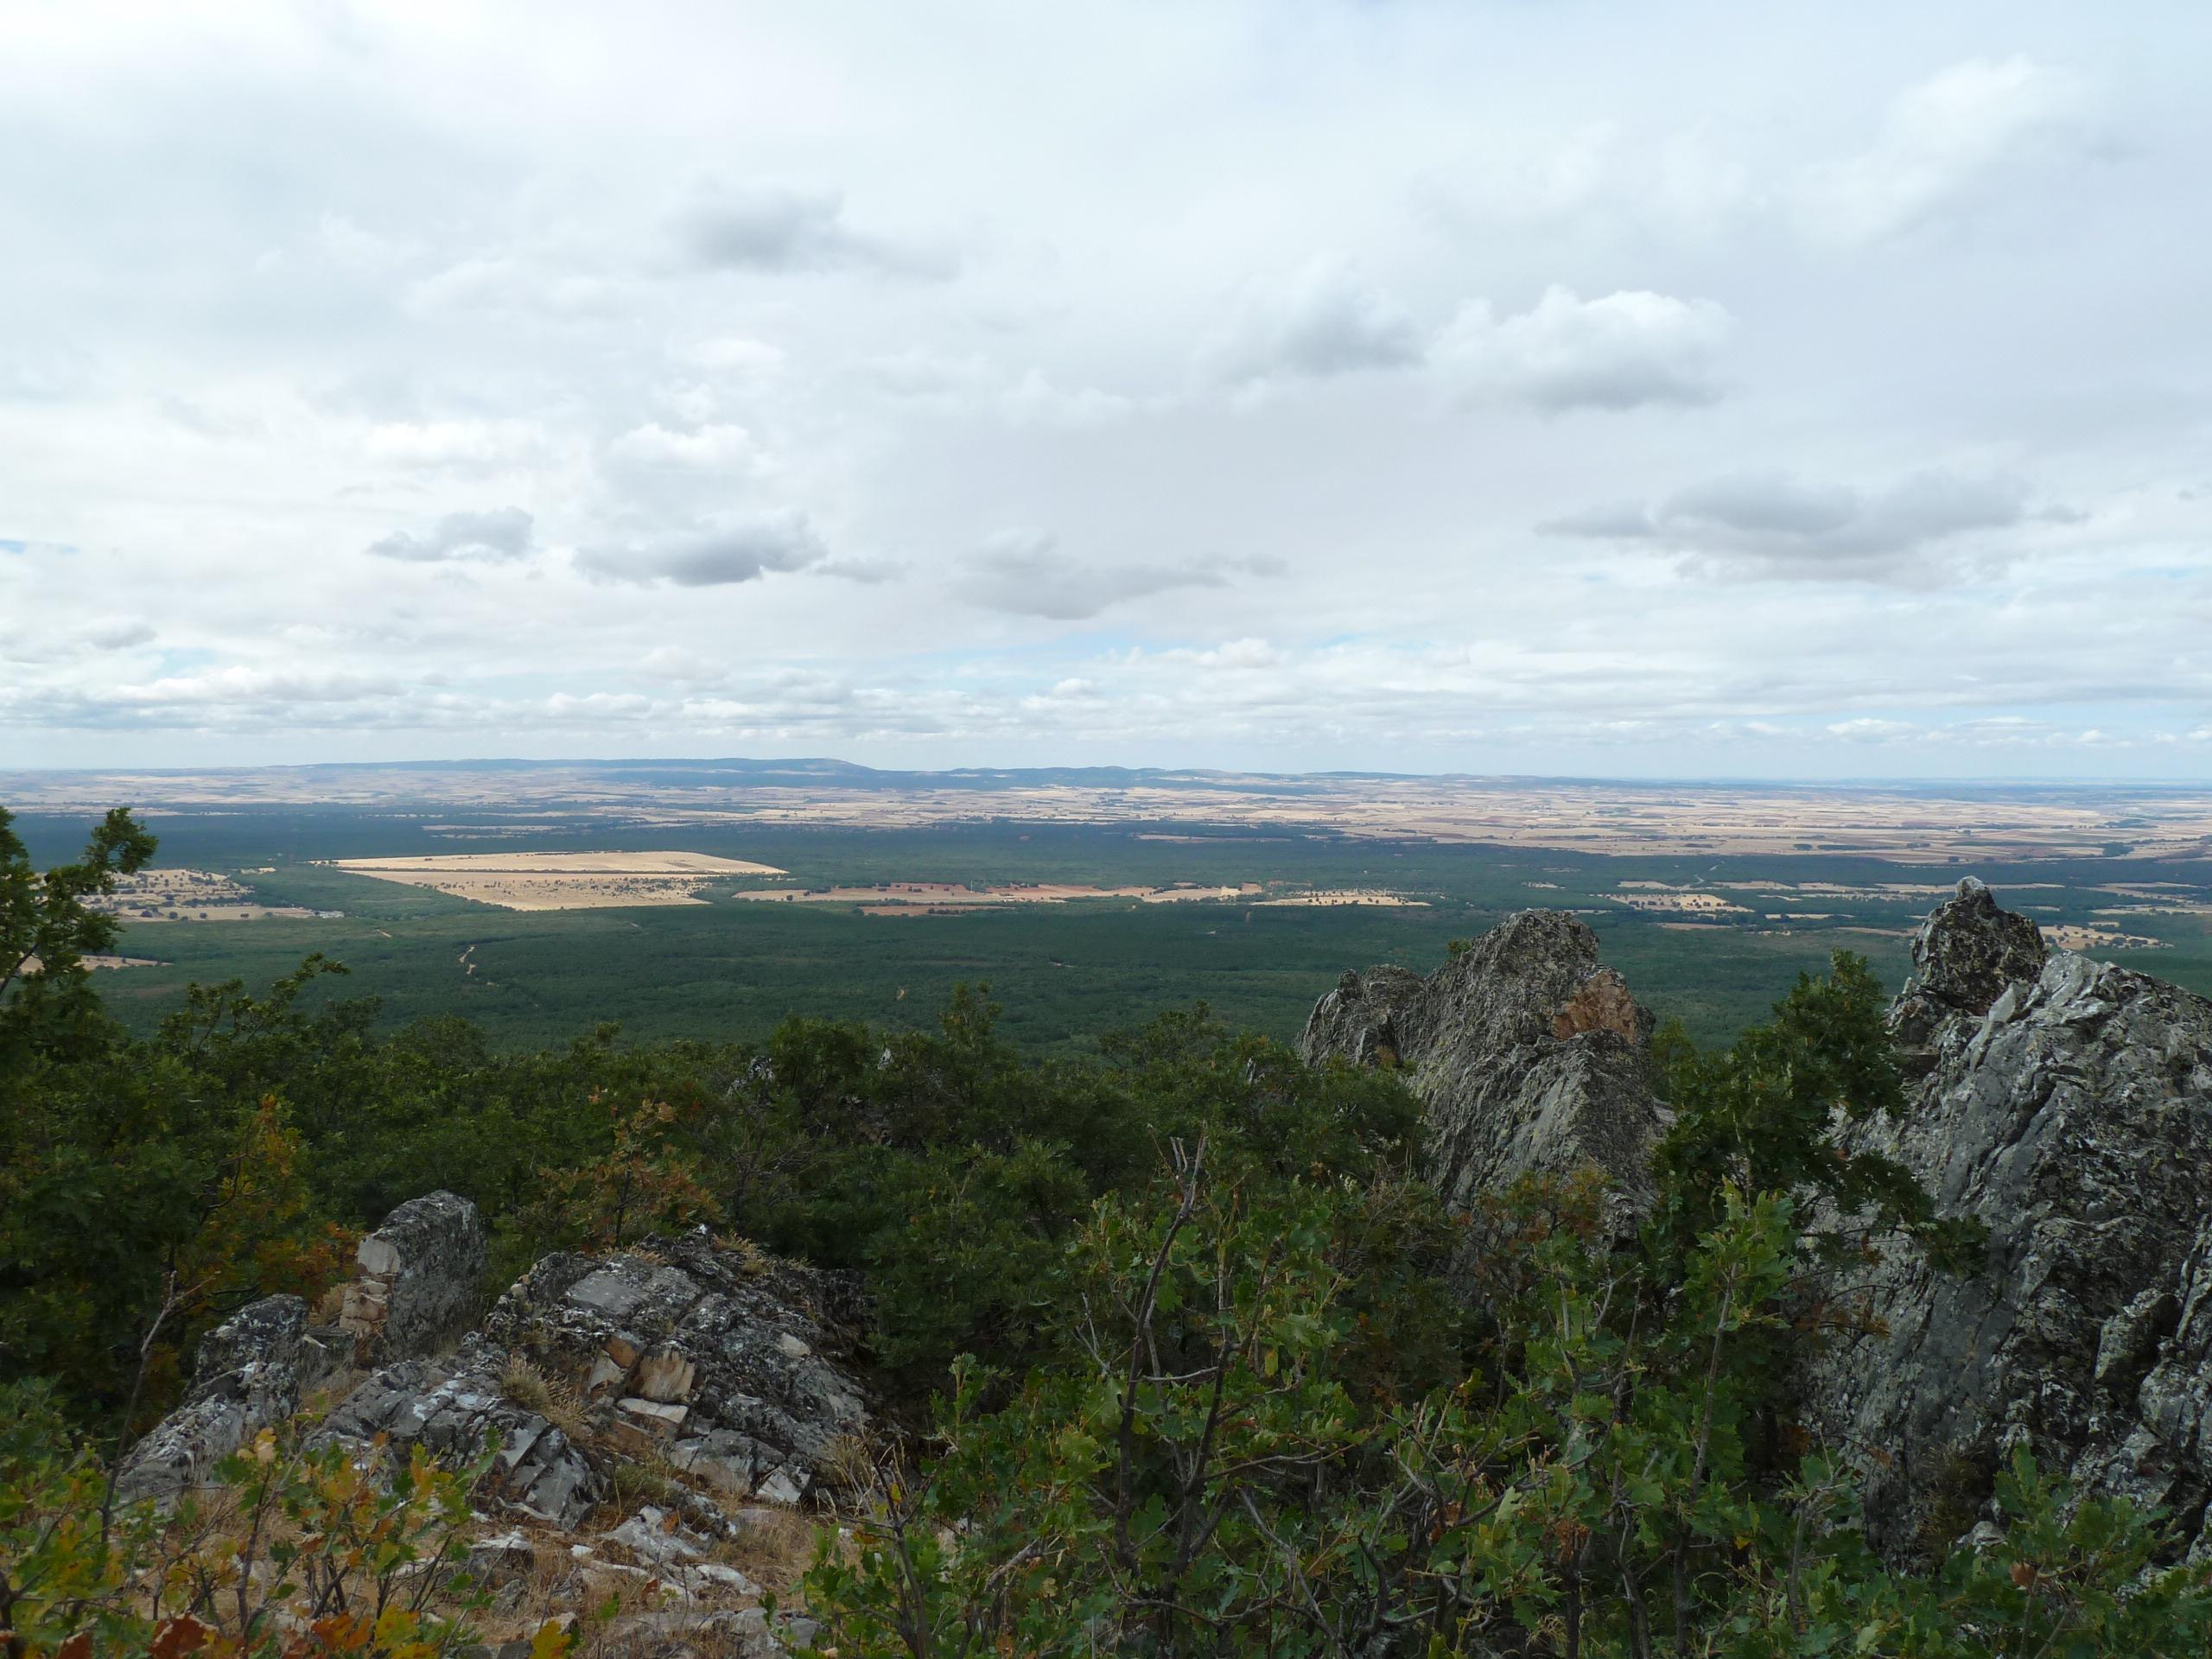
<point>775,228</point>
<point>1025,573</point>
<point>492,537</point>
<point>714,555</point>
<point>1771,525</point>
<point>1326,320</point>
<point>115,633</point>
<point>1938,140</point>
<point>1619,351</point>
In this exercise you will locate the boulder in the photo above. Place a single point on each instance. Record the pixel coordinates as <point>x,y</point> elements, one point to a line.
<point>419,1279</point>
<point>1528,1055</point>
<point>2067,1105</point>
<point>248,1374</point>
<point>455,1408</point>
<point>746,1346</point>
<point>722,1360</point>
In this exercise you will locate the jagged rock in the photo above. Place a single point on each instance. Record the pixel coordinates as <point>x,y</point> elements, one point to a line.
<point>248,1374</point>
<point>739,1336</point>
<point>713,1357</point>
<point>1963,957</point>
<point>655,1537</point>
<point>2067,1108</point>
<point>418,1285</point>
<point>455,1408</point>
<point>1526,1053</point>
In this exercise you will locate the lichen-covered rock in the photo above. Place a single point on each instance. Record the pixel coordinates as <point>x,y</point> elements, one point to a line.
<point>1527,1054</point>
<point>419,1280</point>
<point>724,1360</point>
<point>721,1362</point>
<point>2069,1110</point>
<point>248,1374</point>
<point>455,1408</point>
<point>1963,957</point>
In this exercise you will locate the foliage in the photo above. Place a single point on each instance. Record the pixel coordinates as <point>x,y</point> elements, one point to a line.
<point>48,928</point>
<point>1190,1475</point>
<point>301,1555</point>
<point>1218,1373</point>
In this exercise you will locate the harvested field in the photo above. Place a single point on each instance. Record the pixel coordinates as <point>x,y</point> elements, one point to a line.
<point>561,880</point>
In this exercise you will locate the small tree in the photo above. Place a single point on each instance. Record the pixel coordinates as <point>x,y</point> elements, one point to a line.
<point>47,928</point>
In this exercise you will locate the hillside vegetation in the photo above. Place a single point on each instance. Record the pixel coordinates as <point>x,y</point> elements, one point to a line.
<point>1178,1351</point>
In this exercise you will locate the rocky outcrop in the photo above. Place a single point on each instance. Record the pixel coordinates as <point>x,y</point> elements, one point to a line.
<point>2067,1105</point>
<point>1963,957</point>
<point>249,1373</point>
<point>419,1279</point>
<point>1527,1054</point>
<point>722,1363</point>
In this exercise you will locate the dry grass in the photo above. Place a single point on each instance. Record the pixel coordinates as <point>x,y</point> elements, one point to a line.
<point>557,1400</point>
<point>561,880</point>
<point>774,1551</point>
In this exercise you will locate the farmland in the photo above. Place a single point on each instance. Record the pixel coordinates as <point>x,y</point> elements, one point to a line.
<point>538,922</point>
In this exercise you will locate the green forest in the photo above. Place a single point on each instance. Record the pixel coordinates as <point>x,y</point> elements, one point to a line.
<point>1178,1351</point>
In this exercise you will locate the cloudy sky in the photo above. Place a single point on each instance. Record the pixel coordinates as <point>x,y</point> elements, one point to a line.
<point>1556,386</point>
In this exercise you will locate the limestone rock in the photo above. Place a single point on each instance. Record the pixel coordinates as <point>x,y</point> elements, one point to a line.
<point>1527,1054</point>
<point>248,1376</point>
<point>2067,1104</point>
<point>420,1272</point>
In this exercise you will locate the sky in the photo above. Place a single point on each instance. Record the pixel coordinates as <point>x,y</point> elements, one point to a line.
<point>1536,386</point>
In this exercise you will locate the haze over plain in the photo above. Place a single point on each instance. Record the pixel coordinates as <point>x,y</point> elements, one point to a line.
<point>1655,390</point>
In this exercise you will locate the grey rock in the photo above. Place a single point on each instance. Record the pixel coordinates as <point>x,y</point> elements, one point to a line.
<point>681,1316</point>
<point>247,1376</point>
<point>2066,1104</point>
<point>455,1408</point>
<point>419,1281</point>
<point>748,1346</point>
<point>1963,957</point>
<point>655,1537</point>
<point>1528,1056</point>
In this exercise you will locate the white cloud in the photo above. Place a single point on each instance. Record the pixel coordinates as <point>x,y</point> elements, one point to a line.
<point>1620,351</point>
<point>735,549</point>
<point>1769,524</point>
<point>1325,319</point>
<point>1024,571</point>
<point>734,354</point>
<point>462,444</point>
<point>498,294</point>
<point>763,227</point>
<point>490,538</point>
<point>1939,140</point>
<point>713,448</point>
<point>974,385</point>
<point>504,285</point>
